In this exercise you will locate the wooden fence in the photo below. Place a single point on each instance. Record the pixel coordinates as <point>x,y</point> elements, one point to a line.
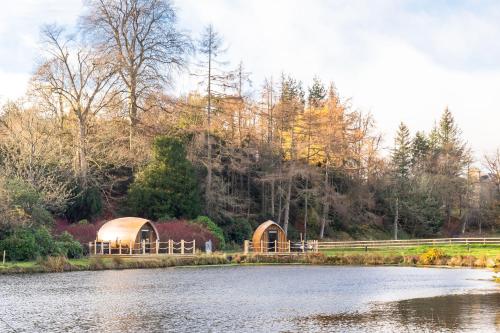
<point>280,247</point>
<point>143,248</point>
<point>406,243</point>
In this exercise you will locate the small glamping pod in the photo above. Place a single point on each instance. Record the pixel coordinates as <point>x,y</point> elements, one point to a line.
<point>127,232</point>
<point>269,237</point>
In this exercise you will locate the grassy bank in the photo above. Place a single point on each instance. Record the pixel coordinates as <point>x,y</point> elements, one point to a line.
<point>448,250</point>
<point>452,255</point>
<point>61,264</point>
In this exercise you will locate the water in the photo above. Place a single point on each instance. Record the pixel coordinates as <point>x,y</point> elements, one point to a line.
<point>252,299</point>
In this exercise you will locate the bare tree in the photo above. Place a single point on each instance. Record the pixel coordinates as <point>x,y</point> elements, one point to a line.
<point>83,79</point>
<point>210,45</point>
<point>144,44</point>
<point>492,164</point>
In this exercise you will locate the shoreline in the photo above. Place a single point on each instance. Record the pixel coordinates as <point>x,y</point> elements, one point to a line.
<point>97,263</point>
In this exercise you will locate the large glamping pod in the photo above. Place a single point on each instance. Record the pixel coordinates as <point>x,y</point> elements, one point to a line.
<point>269,237</point>
<point>127,231</point>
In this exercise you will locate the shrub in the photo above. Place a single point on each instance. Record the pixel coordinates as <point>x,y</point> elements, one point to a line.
<point>28,244</point>
<point>213,228</point>
<point>19,246</point>
<point>431,256</point>
<point>68,246</point>
<point>83,233</point>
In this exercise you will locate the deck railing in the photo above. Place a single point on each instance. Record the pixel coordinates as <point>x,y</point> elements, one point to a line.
<point>169,247</point>
<point>407,243</point>
<point>280,247</point>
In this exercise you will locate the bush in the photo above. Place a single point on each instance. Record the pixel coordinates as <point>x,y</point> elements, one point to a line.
<point>431,256</point>
<point>84,233</point>
<point>68,246</point>
<point>20,246</point>
<point>28,244</point>
<point>28,202</point>
<point>213,228</point>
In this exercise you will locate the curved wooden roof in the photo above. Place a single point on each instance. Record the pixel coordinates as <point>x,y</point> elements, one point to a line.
<point>124,229</point>
<point>257,235</point>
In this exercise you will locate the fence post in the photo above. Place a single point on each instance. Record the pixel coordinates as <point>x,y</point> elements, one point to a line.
<point>3,260</point>
<point>245,246</point>
<point>182,246</point>
<point>131,248</point>
<point>275,246</point>
<point>289,247</point>
<point>303,246</point>
<point>143,246</point>
<point>157,246</point>
<point>194,246</point>
<point>170,247</point>
<point>95,247</point>
<point>102,247</point>
<point>120,247</point>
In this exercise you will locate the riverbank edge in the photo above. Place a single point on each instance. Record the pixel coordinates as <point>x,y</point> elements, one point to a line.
<point>96,263</point>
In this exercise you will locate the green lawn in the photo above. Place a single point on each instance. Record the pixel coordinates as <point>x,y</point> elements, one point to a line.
<point>449,250</point>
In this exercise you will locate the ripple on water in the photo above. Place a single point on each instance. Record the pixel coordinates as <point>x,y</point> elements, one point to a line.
<point>251,299</point>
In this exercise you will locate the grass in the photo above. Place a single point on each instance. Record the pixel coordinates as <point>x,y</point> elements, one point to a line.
<point>448,250</point>
<point>476,255</point>
<point>60,264</point>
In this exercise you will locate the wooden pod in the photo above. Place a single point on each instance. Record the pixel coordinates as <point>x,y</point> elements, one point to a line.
<point>269,237</point>
<point>127,230</point>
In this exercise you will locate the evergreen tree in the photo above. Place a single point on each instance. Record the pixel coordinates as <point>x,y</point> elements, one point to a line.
<point>317,93</point>
<point>402,153</point>
<point>168,186</point>
<point>401,161</point>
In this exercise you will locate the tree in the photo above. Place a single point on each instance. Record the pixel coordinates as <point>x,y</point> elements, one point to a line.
<point>452,158</point>
<point>142,41</point>
<point>83,79</point>
<point>401,161</point>
<point>210,46</point>
<point>167,187</point>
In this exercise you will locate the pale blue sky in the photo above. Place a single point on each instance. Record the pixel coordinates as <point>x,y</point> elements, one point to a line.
<point>400,60</point>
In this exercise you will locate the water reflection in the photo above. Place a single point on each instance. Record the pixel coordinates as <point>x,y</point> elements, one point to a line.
<point>250,299</point>
<point>453,313</point>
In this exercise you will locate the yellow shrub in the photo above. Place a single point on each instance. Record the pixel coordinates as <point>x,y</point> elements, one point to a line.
<point>431,256</point>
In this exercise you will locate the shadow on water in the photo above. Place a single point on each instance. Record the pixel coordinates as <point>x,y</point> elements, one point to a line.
<point>452,313</point>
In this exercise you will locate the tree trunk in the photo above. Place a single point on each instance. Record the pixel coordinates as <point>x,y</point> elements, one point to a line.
<point>306,204</point>
<point>396,218</point>
<point>326,207</point>
<point>132,114</point>
<point>82,153</point>
<point>272,198</point>
<point>287,206</point>
<point>208,190</point>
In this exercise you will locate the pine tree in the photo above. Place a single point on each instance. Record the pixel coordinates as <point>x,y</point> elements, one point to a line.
<point>168,186</point>
<point>401,161</point>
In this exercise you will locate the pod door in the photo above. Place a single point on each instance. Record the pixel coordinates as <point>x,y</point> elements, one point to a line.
<point>272,238</point>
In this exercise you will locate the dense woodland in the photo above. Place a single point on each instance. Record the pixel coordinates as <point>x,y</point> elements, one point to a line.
<point>98,136</point>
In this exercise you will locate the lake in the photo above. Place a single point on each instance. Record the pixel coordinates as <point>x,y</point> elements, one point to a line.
<point>252,299</point>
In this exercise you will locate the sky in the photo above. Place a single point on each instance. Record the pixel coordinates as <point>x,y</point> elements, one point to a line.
<point>399,60</point>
